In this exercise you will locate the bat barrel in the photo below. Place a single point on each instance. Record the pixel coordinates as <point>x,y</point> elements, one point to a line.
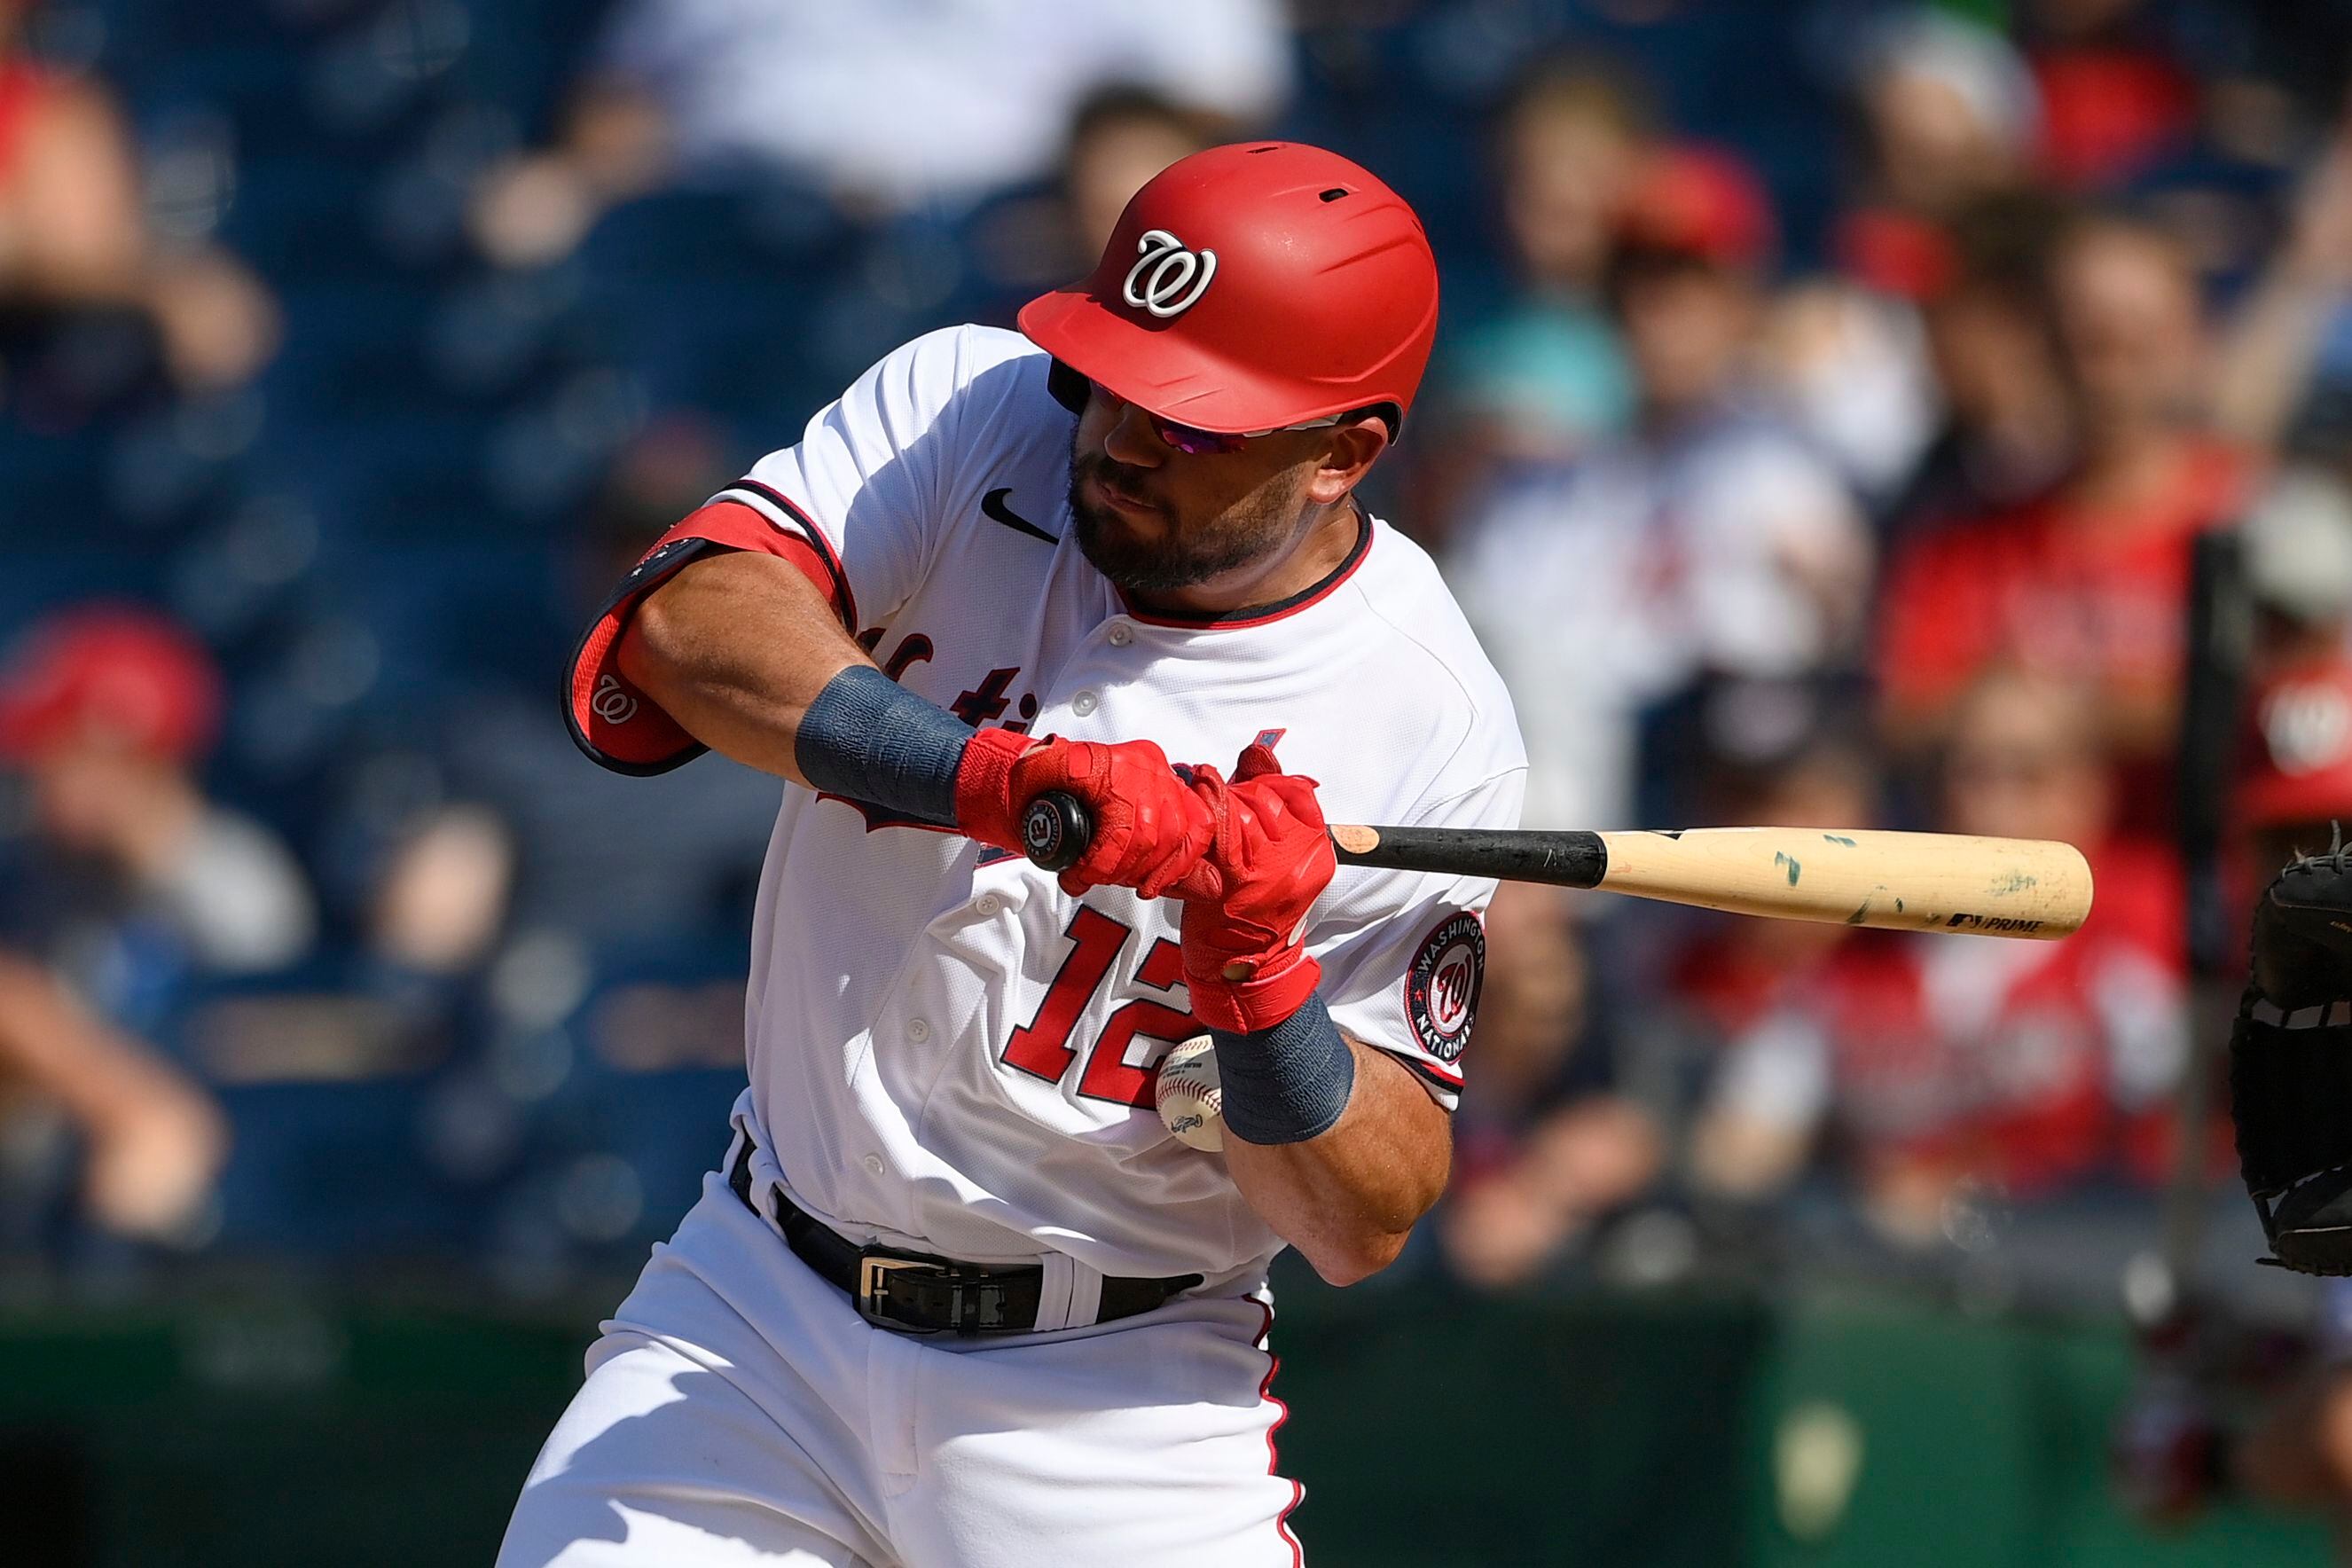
<point>2027,888</point>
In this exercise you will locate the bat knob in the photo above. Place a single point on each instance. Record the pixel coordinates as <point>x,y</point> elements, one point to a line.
<point>1056,830</point>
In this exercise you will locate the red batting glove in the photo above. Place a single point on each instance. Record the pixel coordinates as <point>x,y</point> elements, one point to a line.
<point>1245,962</point>
<point>1150,828</point>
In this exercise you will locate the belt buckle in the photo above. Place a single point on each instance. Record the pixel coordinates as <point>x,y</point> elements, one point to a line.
<point>975,1304</point>
<point>874,1271</point>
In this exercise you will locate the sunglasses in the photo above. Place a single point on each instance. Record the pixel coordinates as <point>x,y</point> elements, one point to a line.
<point>1197,443</point>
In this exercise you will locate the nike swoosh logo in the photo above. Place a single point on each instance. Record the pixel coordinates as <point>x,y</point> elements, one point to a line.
<point>993,503</point>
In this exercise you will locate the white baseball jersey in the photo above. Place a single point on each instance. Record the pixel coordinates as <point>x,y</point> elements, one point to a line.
<point>949,1054</point>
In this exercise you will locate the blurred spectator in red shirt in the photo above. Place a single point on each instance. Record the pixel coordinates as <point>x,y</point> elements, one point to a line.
<point>1939,1062</point>
<point>2088,581</point>
<point>1708,540</point>
<point>73,235</point>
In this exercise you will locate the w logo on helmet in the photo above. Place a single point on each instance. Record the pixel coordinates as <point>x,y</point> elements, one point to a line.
<point>1168,279</point>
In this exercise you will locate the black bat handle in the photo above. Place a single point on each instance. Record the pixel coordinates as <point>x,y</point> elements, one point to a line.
<point>1564,860</point>
<point>1056,830</point>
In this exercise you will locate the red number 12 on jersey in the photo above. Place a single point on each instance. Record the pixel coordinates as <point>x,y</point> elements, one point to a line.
<point>1042,1048</point>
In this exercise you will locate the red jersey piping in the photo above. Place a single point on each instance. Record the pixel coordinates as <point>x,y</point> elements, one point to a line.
<point>1273,1459</point>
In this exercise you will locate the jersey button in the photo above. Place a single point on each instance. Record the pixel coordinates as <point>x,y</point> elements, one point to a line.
<point>987,904</point>
<point>919,1030</point>
<point>873,1164</point>
<point>1121,634</point>
<point>1084,703</point>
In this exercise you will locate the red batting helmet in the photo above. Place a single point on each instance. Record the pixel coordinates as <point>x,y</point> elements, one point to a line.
<point>1252,286</point>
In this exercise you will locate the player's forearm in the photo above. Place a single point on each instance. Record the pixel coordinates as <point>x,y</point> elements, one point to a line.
<point>1348,1197</point>
<point>735,648</point>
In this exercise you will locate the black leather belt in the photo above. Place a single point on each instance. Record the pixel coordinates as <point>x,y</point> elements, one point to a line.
<point>915,1292</point>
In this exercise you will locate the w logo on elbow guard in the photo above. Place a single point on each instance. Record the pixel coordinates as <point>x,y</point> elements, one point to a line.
<point>613,702</point>
<point>1167,279</point>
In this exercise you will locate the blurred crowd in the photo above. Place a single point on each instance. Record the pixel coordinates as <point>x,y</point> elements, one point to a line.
<point>1898,531</point>
<point>1831,402</point>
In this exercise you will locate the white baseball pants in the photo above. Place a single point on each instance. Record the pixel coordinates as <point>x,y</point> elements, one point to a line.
<point>738,1411</point>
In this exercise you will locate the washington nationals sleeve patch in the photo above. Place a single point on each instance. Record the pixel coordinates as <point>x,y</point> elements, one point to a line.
<point>1441,989</point>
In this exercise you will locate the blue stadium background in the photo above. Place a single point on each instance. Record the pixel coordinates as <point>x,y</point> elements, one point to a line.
<point>378,529</point>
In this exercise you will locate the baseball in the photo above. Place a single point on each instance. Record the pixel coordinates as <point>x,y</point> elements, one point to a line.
<point>1187,1096</point>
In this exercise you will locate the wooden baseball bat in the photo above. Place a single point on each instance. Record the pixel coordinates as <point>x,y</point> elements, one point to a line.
<point>1897,881</point>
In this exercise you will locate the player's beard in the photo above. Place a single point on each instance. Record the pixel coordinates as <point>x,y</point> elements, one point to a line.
<point>1177,555</point>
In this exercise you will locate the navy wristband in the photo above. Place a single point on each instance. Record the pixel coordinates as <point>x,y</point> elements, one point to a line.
<point>869,738</point>
<point>1288,1083</point>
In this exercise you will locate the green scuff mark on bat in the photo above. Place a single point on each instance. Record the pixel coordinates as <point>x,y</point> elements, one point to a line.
<point>1780,857</point>
<point>1862,910</point>
<point>1838,838</point>
<point>2015,883</point>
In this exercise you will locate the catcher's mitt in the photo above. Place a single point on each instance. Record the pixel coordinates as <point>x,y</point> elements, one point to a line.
<point>2291,1064</point>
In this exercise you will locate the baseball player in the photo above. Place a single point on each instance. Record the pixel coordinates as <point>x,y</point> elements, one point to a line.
<point>956,1295</point>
